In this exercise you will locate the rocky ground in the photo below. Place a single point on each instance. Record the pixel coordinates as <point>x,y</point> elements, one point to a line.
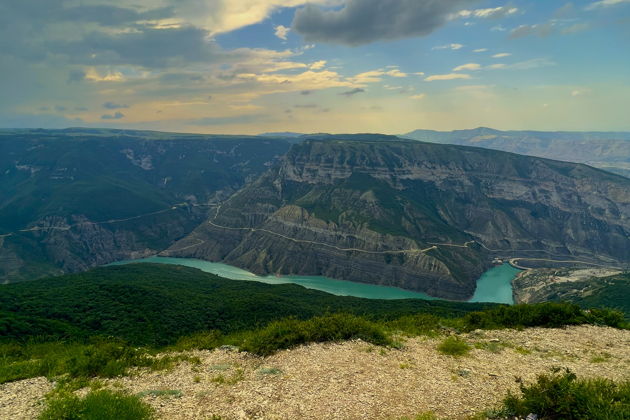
<point>356,380</point>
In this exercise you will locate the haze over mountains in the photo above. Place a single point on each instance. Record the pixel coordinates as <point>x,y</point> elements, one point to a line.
<point>605,150</point>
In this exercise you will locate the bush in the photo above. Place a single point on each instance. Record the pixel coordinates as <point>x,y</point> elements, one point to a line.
<point>549,314</point>
<point>292,332</point>
<point>453,346</point>
<point>562,396</point>
<point>97,405</point>
<point>99,358</point>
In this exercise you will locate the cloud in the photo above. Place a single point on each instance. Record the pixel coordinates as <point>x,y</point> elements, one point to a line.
<point>318,65</point>
<point>453,47</point>
<point>282,32</point>
<point>112,105</point>
<point>352,92</point>
<point>418,97</point>
<point>501,55</point>
<point>451,76</point>
<point>468,66</point>
<point>541,30</point>
<point>480,50</point>
<point>395,73</point>
<point>116,116</point>
<point>365,21</point>
<point>575,28</point>
<point>524,65</point>
<point>605,3</point>
<point>490,13</point>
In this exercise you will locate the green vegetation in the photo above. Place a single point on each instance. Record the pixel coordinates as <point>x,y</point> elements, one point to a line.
<point>155,305</point>
<point>289,333</point>
<point>106,321</point>
<point>608,292</point>
<point>561,395</point>
<point>70,176</point>
<point>454,346</point>
<point>544,314</point>
<point>96,358</point>
<point>97,405</point>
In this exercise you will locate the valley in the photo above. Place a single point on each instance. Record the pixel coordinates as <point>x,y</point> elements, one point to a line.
<point>399,213</point>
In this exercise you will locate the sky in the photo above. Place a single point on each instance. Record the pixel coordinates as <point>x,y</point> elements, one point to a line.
<point>337,66</point>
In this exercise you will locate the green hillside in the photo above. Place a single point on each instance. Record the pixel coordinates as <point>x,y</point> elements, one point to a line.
<point>74,180</point>
<point>154,304</point>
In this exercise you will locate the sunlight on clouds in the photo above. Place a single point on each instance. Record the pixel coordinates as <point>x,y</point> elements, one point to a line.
<point>451,76</point>
<point>93,76</point>
<point>469,66</point>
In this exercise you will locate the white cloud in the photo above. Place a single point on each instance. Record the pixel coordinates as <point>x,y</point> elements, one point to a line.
<point>282,32</point>
<point>501,55</point>
<point>496,12</point>
<point>480,50</point>
<point>534,63</point>
<point>451,76</point>
<point>318,65</point>
<point>468,66</point>
<point>453,47</point>
<point>605,3</point>
<point>375,76</point>
<point>396,73</point>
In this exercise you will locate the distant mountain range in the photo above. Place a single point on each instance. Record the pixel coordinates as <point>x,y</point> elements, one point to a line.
<point>605,150</point>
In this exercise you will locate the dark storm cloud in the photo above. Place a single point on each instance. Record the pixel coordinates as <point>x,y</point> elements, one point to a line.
<point>33,30</point>
<point>365,21</point>
<point>148,47</point>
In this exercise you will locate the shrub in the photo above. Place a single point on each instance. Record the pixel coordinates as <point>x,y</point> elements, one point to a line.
<point>549,314</point>
<point>453,346</point>
<point>97,405</point>
<point>561,395</point>
<point>292,332</point>
<point>100,358</point>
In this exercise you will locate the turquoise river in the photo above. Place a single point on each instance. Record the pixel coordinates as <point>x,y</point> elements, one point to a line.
<point>495,285</point>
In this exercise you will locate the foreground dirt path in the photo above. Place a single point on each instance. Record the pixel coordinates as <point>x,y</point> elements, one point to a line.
<point>356,380</point>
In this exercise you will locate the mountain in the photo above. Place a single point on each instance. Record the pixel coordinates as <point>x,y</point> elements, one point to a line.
<point>72,199</point>
<point>420,216</point>
<point>605,150</point>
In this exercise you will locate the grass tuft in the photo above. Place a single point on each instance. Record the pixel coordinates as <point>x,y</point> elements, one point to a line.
<point>453,346</point>
<point>97,405</point>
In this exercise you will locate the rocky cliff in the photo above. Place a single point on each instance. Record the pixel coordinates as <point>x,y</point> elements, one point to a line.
<point>420,216</point>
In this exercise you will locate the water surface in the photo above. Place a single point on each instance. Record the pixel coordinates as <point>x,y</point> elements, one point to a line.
<point>493,286</point>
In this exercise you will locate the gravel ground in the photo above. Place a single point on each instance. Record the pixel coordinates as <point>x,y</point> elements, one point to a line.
<point>24,399</point>
<point>355,380</point>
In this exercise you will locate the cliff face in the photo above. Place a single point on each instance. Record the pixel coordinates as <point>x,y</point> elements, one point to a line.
<point>346,208</point>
